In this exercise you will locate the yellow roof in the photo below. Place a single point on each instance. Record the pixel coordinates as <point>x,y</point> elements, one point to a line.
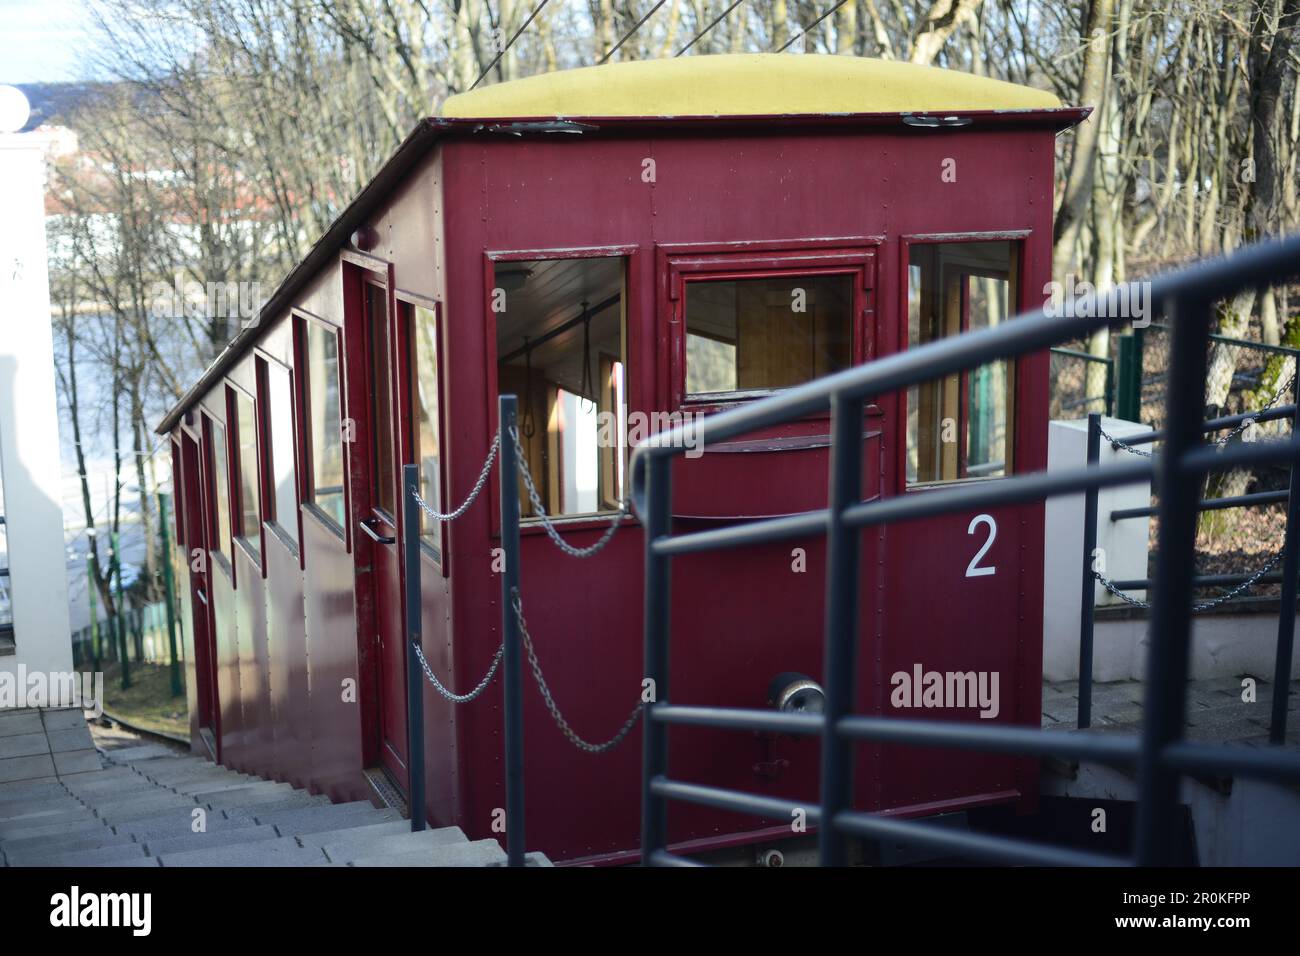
<point>749,84</point>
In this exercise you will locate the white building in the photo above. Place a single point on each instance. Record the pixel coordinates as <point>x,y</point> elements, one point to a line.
<point>34,631</point>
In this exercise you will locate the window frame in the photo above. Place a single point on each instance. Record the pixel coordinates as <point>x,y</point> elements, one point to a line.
<point>407,414</point>
<point>1019,240</point>
<point>216,557</point>
<point>638,387</point>
<point>234,462</point>
<point>302,320</point>
<point>270,517</point>
<point>679,265</point>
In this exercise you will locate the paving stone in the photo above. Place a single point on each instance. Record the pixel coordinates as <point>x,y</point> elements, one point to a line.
<point>75,739</point>
<point>26,768</point>
<point>77,761</point>
<point>31,790</point>
<point>63,719</point>
<point>23,745</point>
<point>27,722</point>
<point>283,851</point>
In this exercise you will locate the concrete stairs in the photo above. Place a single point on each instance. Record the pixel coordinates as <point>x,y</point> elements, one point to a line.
<point>157,805</point>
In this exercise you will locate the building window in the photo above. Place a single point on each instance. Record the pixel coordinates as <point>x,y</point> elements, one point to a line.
<point>425,400</point>
<point>282,468</point>
<point>561,350</point>
<point>755,335</point>
<point>219,491</point>
<point>325,422</point>
<point>960,427</point>
<point>249,528</point>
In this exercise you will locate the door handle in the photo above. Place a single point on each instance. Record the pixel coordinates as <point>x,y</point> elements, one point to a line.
<point>378,538</point>
<point>201,596</point>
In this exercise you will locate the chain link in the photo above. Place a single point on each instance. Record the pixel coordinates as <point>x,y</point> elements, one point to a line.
<point>477,490</point>
<point>535,497</point>
<point>1224,598</point>
<point>1241,426</point>
<point>452,695</point>
<point>563,724</point>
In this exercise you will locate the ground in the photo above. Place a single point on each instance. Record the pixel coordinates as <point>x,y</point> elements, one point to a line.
<point>148,703</point>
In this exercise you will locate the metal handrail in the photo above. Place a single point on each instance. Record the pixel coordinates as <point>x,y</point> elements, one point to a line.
<point>1159,752</point>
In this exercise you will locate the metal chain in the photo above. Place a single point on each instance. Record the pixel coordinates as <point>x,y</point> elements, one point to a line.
<point>540,512</point>
<point>1241,426</point>
<point>1215,602</point>
<point>478,487</point>
<point>452,695</point>
<point>563,724</point>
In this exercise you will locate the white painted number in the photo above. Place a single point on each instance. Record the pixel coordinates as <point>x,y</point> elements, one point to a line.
<point>973,570</point>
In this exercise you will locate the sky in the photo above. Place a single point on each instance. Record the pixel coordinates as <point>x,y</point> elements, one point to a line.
<point>43,41</point>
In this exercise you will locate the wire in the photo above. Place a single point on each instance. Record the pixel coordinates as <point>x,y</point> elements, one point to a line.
<point>497,59</point>
<point>721,16</point>
<point>627,36</point>
<point>807,29</point>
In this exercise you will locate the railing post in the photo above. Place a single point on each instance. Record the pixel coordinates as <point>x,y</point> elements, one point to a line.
<point>1087,592</point>
<point>414,637</point>
<point>1110,386</point>
<point>1286,602</point>
<point>1129,373</point>
<point>843,558</point>
<point>121,624</point>
<point>169,589</point>
<point>1171,610</point>
<point>658,628</point>
<point>508,407</point>
<point>92,582</point>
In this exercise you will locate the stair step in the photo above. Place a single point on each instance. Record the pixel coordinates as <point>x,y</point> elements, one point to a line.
<point>101,837</point>
<point>29,790</point>
<point>328,817</point>
<point>477,853</point>
<point>19,810</point>
<point>359,834</point>
<point>117,798</point>
<point>52,823</point>
<point>101,856</point>
<point>217,783</point>
<point>215,838</point>
<point>88,825</point>
<point>144,809</point>
<point>247,795</point>
<point>177,824</point>
<point>283,851</point>
<point>142,752</point>
<point>345,850</point>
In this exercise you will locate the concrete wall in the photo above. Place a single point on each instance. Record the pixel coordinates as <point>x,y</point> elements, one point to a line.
<point>29,426</point>
<point>1123,544</point>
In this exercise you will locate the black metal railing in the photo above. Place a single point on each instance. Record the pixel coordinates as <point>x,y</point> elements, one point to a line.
<point>1288,554</point>
<point>1159,752</point>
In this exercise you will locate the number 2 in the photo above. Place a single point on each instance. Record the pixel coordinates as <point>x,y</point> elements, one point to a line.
<point>973,570</point>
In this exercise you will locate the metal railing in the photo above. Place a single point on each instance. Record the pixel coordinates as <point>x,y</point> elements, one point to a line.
<point>1238,582</point>
<point>1160,753</point>
<point>1108,388</point>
